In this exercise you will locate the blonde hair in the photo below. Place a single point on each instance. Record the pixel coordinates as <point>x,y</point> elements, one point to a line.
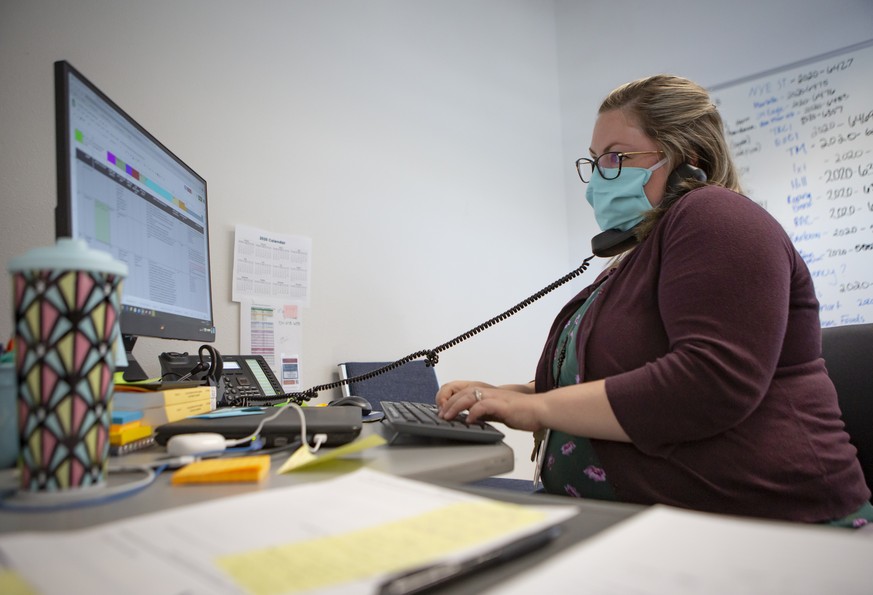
<point>681,118</point>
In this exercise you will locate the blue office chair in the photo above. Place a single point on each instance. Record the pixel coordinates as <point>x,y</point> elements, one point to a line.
<point>413,381</point>
<point>848,355</point>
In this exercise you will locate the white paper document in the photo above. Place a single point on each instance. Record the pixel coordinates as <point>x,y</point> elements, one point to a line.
<point>676,552</point>
<point>343,535</point>
<point>268,265</point>
<point>275,331</point>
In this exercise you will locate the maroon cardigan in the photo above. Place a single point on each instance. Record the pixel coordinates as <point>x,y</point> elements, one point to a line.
<point>709,339</point>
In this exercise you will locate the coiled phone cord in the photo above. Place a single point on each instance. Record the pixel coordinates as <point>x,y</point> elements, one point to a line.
<point>431,356</point>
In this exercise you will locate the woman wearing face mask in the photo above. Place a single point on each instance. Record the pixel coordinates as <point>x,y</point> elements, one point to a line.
<point>689,373</point>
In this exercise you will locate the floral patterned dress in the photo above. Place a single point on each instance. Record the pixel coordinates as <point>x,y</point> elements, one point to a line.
<point>570,464</point>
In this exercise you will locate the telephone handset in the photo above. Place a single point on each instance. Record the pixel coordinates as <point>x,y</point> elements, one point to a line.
<point>253,380</point>
<point>685,171</point>
<point>613,241</point>
<point>602,245</point>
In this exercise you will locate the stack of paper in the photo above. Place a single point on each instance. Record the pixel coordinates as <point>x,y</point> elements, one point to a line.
<point>164,406</point>
<point>341,535</point>
<point>668,550</point>
<point>128,433</point>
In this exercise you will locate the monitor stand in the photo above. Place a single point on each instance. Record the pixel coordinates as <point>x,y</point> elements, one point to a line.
<point>133,372</point>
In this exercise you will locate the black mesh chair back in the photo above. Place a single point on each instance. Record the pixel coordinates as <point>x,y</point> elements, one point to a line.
<point>848,354</point>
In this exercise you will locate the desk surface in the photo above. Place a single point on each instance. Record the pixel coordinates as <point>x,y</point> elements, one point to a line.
<point>448,466</point>
<point>451,464</point>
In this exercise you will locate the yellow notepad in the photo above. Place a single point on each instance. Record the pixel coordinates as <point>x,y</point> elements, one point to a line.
<point>129,434</point>
<point>233,470</point>
<point>119,428</point>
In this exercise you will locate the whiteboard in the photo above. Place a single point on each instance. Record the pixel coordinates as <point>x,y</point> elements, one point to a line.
<point>802,138</point>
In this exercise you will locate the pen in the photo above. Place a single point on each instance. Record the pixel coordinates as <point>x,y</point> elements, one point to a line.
<point>427,577</point>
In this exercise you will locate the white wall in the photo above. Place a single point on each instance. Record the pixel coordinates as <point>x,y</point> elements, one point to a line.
<point>417,143</point>
<point>427,147</point>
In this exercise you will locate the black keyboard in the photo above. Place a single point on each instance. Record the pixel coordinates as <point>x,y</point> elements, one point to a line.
<point>420,419</point>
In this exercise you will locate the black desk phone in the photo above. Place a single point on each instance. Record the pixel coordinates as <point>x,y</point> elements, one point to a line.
<point>241,377</point>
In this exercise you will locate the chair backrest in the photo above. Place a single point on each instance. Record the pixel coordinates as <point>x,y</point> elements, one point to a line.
<point>848,354</point>
<point>413,381</point>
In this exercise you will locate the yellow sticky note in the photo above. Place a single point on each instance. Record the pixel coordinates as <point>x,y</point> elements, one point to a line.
<point>303,458</point>
<point>119,428</point>
<point>232,470</point>
<point>129,435</point>
<point>13,583</point>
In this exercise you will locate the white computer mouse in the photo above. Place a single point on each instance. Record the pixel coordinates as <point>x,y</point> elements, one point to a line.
<point>194,444</point>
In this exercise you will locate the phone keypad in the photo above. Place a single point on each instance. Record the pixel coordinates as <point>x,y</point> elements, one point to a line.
<point>237,391</point>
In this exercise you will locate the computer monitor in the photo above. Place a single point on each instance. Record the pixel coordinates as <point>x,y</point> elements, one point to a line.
<point>125,193</point>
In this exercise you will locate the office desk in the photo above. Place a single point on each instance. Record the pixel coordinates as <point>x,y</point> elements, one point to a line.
<point>731,543</point>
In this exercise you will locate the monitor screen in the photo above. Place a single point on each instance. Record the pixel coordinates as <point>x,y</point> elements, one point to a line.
<point>125,193</point>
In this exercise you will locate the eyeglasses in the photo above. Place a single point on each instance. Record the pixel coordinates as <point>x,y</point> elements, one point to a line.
<point>608,165</point>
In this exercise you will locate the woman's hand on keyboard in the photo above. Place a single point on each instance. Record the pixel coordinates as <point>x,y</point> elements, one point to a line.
<point>518,409</point>
<point>450,389</point>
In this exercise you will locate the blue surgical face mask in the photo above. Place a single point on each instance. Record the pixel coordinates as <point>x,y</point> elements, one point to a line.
<point>620,203</point>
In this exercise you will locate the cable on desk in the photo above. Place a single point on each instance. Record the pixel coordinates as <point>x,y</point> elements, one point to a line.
<point>431,356</point>
<point>21,501</point>
<point>319,439</point>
